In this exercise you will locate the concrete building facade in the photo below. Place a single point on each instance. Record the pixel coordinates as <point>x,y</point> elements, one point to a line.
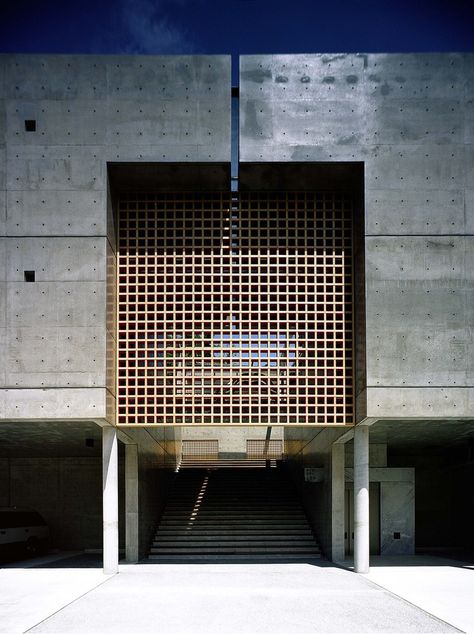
<point>394,133</point>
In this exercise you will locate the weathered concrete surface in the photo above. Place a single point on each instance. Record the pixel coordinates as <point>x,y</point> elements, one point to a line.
<point>55,213</point>
<point>409,118</point>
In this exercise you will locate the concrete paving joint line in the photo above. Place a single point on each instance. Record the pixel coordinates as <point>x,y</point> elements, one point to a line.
<point>84,594</point>
<point>394,594</point>
<point>414,605</point>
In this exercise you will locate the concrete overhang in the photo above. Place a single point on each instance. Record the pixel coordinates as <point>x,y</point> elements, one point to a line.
<point>153,177</point>
<point>302,176</point>
<point>50,438</point>
<point>423,433</point>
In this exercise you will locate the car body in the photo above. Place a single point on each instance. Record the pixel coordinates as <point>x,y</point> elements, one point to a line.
<point>22,529</point>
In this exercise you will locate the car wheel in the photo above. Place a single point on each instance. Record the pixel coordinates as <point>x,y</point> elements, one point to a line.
<point>32,546</point>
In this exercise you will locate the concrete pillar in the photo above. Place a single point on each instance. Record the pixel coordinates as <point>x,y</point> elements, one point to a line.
<point>110,499</point>
<point>361,499</point>
<point>131,503</point>
<point>337,502</point>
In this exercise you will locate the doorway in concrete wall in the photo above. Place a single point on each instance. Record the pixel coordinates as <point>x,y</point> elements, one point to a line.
<point>374,519</point>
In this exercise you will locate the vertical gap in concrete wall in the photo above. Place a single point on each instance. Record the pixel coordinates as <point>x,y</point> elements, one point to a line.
<point>235,139</point>
<point>9,490</point>
<point>359,324</point>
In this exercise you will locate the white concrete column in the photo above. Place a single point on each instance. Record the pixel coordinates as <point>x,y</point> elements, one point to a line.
<point>131,503</point>
<point>110,500</point>
<point>361,499</point>
<point>337,502</point>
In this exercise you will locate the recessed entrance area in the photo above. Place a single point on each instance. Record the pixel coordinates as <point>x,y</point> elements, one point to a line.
<point>239,310</point>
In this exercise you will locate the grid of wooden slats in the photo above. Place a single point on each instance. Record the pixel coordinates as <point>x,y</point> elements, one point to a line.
<point>235,310</point>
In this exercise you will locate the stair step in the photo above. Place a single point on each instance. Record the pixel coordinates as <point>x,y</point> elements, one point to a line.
<point>239,503</point>
<point>211,537</point>
<point>241,545</point>
<point>234,518</point>
<point>235,504</point>
<point>234,557</point>
<point>233,501</point>
<point>243,521</point>
<point>238,514</point>
<point>226,490</point>
<point>235,550</point>
<point>256,525</point>
<point>232,525</point>
<point>248,532</point>
<point>188,463</point>
<point>231,509</point>
<point>224,510</point>
<point>247,495</point>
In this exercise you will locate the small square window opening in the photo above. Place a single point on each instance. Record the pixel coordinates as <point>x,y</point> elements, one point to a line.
<point>29,276</point>
<point>30,125</point>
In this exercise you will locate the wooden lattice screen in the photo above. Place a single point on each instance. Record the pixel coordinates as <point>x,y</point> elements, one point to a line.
<point>234,310</point>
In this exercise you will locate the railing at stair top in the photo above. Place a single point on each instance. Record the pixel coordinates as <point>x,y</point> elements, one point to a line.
<point>264,450</point>
<point>201,451</point>
<point>194,450</point>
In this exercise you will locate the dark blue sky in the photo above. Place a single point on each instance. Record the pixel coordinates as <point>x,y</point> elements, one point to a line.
<point>236,26</point>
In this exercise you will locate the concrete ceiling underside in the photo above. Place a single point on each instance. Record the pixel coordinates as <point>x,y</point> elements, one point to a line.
<point>68,438</point>
<point>48,439</point>
<point>339,175</point>
<point>127,177</point>
<point>408,434</point>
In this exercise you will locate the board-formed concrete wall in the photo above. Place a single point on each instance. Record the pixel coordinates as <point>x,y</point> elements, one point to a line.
<point>410,119</point>
<point>54,213</point>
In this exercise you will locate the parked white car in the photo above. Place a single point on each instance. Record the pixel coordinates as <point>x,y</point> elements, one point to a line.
<point>22,528</point>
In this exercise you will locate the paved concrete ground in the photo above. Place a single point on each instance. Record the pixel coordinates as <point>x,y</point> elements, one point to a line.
<point>199,598</point>
<point>28,595</point>
<point>440,586</point>
<point>443,587</point>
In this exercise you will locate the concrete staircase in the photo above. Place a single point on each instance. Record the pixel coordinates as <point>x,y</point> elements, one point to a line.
<point>233,514</point>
